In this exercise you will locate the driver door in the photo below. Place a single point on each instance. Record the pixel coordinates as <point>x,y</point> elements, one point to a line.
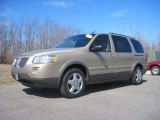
<point>101,63</point>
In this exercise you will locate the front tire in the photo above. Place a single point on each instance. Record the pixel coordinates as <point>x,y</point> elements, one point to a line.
<point>137,76</point>
<point>155,70</point>
<point>73,83</point>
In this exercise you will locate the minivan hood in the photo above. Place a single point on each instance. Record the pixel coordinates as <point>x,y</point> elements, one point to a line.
<point>55,50</point>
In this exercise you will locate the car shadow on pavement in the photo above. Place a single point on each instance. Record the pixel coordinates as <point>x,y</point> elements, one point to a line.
<point>45,92</point>
<point>54,93</point>
<point>108,86</point>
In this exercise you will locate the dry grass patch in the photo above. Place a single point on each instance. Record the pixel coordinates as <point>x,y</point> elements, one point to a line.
<point>5,75</point>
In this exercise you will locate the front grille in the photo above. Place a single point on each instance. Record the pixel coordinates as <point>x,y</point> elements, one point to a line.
<point>22,62</point>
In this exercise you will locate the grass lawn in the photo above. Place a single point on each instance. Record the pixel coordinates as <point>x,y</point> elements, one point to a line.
<point>5,75</point>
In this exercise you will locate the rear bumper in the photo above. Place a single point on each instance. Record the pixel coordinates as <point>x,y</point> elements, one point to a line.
<point>26,80</point>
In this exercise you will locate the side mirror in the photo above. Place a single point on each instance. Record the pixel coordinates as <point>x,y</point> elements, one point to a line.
<point>96,48</point>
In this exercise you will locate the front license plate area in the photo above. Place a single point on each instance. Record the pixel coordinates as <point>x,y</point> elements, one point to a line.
<point>16,76</point>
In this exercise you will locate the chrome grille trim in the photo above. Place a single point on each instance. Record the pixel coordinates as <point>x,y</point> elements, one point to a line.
<point>20,62</point>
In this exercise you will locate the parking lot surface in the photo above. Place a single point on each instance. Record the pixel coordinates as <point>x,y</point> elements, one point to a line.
<point>110,101</point>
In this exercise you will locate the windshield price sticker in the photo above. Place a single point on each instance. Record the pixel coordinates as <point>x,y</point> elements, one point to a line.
<point>89,36</point>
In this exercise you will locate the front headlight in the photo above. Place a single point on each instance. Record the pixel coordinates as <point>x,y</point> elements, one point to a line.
<point>46,58</point>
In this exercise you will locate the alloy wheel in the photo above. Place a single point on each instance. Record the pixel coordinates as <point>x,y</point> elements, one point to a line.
<point>75,83</point>
<point>138,75</point>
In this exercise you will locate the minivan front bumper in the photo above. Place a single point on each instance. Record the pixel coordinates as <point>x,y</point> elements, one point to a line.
<point>35,75</point>
<point>26,80</point>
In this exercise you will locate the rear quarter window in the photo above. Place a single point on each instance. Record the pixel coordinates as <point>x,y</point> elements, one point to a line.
<point>137,46</point>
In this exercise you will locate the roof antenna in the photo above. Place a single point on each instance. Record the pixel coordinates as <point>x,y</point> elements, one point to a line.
<point>93,32</point>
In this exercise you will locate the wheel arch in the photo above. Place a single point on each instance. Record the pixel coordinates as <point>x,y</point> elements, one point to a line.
<point>154,65</point>
<point>73,64</point>
<point>138,64</point>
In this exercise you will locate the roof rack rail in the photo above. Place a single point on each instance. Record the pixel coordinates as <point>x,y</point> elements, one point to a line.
<point>120,35</point>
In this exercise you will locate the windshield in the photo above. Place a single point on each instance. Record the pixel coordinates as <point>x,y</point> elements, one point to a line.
<point>75,41</point>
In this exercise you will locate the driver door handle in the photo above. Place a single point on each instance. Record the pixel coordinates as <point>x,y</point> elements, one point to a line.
<point>118,55</point>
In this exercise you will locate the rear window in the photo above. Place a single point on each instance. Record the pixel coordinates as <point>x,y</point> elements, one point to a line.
<point>121,44</point>
<point>137,46</point>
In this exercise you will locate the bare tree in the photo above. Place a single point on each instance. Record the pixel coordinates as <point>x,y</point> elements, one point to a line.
<point>27,35</point>
<point>3,39</point>
<point>158,42</point>
<point>143,41</point>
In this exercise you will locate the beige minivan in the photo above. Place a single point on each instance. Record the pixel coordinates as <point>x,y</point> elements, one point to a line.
<point>80,60</point>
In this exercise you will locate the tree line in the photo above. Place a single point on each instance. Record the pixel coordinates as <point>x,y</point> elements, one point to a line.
<point>25,35</point>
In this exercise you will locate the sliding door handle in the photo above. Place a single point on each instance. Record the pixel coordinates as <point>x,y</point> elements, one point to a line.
<point>111,55</point>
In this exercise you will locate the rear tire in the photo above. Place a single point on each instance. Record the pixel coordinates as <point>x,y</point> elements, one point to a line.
<point>137,76</point>
<point>155,70</point>
<point>73,83</point>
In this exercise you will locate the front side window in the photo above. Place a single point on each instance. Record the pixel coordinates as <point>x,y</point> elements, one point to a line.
<point>75,41</point>
<point>121,44</point>
<point>137,46</point>
<point>102,40</point>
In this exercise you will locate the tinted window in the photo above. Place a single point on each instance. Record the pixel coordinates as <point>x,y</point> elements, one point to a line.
<point>102,40</point>
<point>121,44</point>
<point>137,46</point>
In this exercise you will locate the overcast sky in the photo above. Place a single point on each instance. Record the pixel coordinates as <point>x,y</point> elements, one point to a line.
<point>120,16</point>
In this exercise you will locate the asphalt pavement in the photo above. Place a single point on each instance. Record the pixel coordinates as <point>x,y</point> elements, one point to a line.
<point>110,101</point>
